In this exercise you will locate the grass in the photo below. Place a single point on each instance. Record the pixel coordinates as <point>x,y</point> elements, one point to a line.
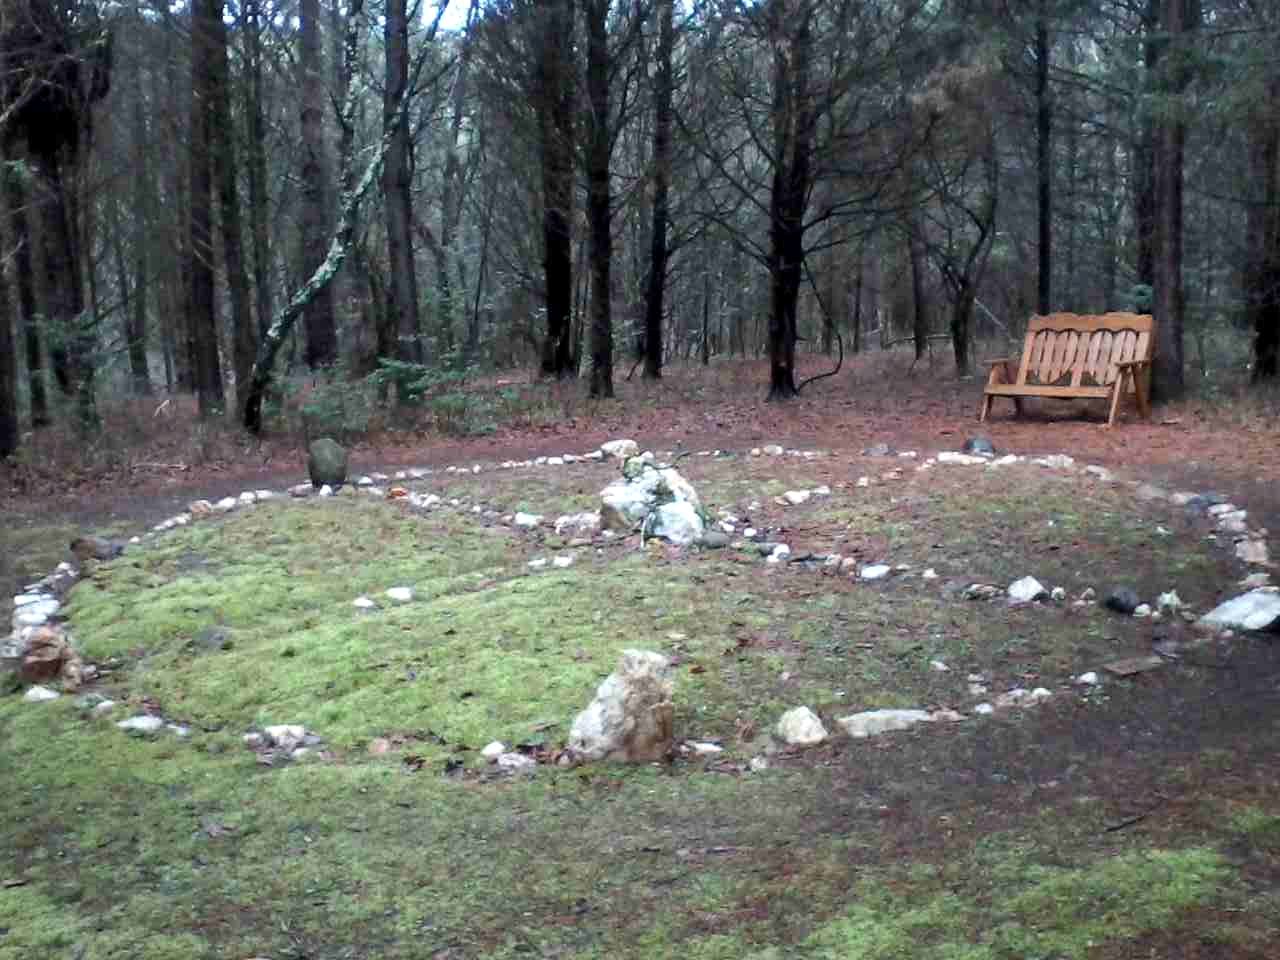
<point>166,847</point>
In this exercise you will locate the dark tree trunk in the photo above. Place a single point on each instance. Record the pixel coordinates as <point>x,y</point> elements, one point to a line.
<point>1262,268</point>
<point>73,354</point>
<point>599,199</point>
<point>920,312</point>
<point>961,322</point>
<point>402,290</point>
<point>136,317</point>
<point>244,335</point>
<point>202,305</point>
<point>1044,163</point>
<point>316,191</point>
<point>20,232</point>
<point>9,429</point>
<point>259,200</point>
<point>663,91</point>
<point>1169,307</point>
<point>793,119</point>
<point>555,131</point>
<point>857,304</point>
<point>1144,158</point>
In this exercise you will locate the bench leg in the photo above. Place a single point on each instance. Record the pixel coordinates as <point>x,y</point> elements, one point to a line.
<point>1017,406</point>
<point>1117,389</point>
<point>1142,388</point>
<point>985,408</point>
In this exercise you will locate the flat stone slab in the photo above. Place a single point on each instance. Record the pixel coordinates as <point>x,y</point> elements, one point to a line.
<point>1133,665</point>
<point>869,723</point>
<point>1256,610</point>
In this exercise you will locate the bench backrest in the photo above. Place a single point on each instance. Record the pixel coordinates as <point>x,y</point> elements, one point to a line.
<point>1086,349</point>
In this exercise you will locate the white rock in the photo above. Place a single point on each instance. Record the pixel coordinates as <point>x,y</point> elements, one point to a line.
<point>937,666</point>
<point>780,552</point>
<point>1253,552</point>
<point>1142,610</point>
<point>960,459</point>
<point>1087,679</point>
<point>1055,461</point>
<point>540,461</point>
<point>400,594</point>
<point>264,494</point>
<point>821,491</point>
<point>869,723</point>
<point>555,461</point>
<point>1026,590</point>
<point>929,574</point>
<point>1169,602</point>
<point>1011,698</point>
<point>620,449</point>
<point>796,497</point>
<point>750,533</point>
<point>772,450</point>
<point>562,561</point>
<point>527,519</point>
<point>491,751</point>
<point>537,564</point>
<point>365,482</point>
<point>105,706</point>
<point>1099,473</point>
<point>632,716</point>
<point>1057,594</point>
<point>800,727</point>
<point>758,764</point>
<point>833,560</point>
<point>325,491</point>
<point>40,695</point>
<point>1258,609</point>
<point>35,614</point>
<point>579,523</point>
<point>363,603</point>
<point>594,455</point>
<point>246,499</point>
<point>1006,460</point>
<point>516,762</point>
<point>678,523</point>
<point>874,571</point>
<point>23,599</point>
<point>1038,694</point>
<point>226,504</point>
<point>1254,580</point>
<point>1218,509</point>
<point>142,723</point>
<point>178,730</point>
<point>705,749</point>
<point>286,736</point>
<point>984,709</point>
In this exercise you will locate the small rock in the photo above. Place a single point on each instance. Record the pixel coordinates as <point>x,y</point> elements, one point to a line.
<point>537,564</point>
<point>1255,580</point>
<point>984,709</point>
<point>1147,491</point>
<point>1057,594</point>
<point>96,548</point>
<point>773,450</point>
<point>1121,600</point>
<point>821,491</point>
<point>246,499</point>
<point>796,497</point>
<point>562,561</point>
<point>1026,590</point>
<point>378,746</point>
<point>800,727</point>
<point>1219,509</point>
<point>929,574</point>
<point>1087,679</point>
<point>226,505</point>
<point>491,751</point>
<point>939,667</point>
<point>1253,552</point>
<point>1142,610</point>
<point>1055,461</point>
<point>946,716</point>
<point>874,571</point>
<point>363,603</point>
<point>758,764</point>
<point>38,694</point>
<point>1038,694</point>
<point>979,446</point>
<point>527,520</point>
<point>620,449</point>
<point>780,552</point>
<point>516,762</point>
<point>960,459</point>
<point>200,508</point>
<point>1011,698</point>
<point>142,723</point>
<point>285,736</point>
<point>551,462</point>
<point>704,749</point>
<point>1169,602</point>
<point>863,482</point>
<point>325,491</point>
<point>301,490</point>
<point>872,722</point>
<point>714,540</point>
<point>400,594</point>
<point>1098,473</point>
<point>878,450</point>
<point>103,707</point>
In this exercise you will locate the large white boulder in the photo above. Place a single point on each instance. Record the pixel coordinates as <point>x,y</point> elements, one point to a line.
<point>631,718</point>
<point>626,503</point>
<point>677,522</point>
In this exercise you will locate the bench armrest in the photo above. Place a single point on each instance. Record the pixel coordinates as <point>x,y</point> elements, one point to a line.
<point>998,360</point>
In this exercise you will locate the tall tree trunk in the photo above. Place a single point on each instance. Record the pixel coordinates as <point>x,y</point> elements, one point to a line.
<point>556,137</point>
<point>402,291</point>
<point>259,199</point>
<point>793,121</point>
<point>317,192</point>
<point>599,199</point>
<point>9,429</point>
<point>1167,373</point>
<point>920,313</point>
<point>73,354</point>
<point>136,320</point>
<point>202,306</point>
<point>244,335</point>
<point>1262,268</point>
<point>20,230</point>
<point>1044,163</point>
<point>1144,156</point>
<point>663,91</point>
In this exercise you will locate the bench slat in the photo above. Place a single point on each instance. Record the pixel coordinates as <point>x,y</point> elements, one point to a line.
<point>1034,390</point>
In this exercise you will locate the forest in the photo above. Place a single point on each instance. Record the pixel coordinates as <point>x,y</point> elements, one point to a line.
<point>208,198</point>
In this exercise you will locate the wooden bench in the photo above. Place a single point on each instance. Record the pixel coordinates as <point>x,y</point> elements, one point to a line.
<point>1071,356</point>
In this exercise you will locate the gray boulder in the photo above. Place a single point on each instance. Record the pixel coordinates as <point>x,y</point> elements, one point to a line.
<point>632,716</point>
<point>1122,600</point>
<point>326,463</point>
<point>979,447</point>
<point>676,522</point>
<point>629,502</point>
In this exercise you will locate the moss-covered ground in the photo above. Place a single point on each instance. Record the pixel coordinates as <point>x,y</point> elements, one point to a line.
<point>1137,819</point>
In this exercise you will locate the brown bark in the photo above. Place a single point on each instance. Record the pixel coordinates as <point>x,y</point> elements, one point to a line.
<point>317,191</point>
<point>20,231</point>
<point>599,199</point>
<point>657,281</point>
<point>402,290</point>
<point>554,97</point>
